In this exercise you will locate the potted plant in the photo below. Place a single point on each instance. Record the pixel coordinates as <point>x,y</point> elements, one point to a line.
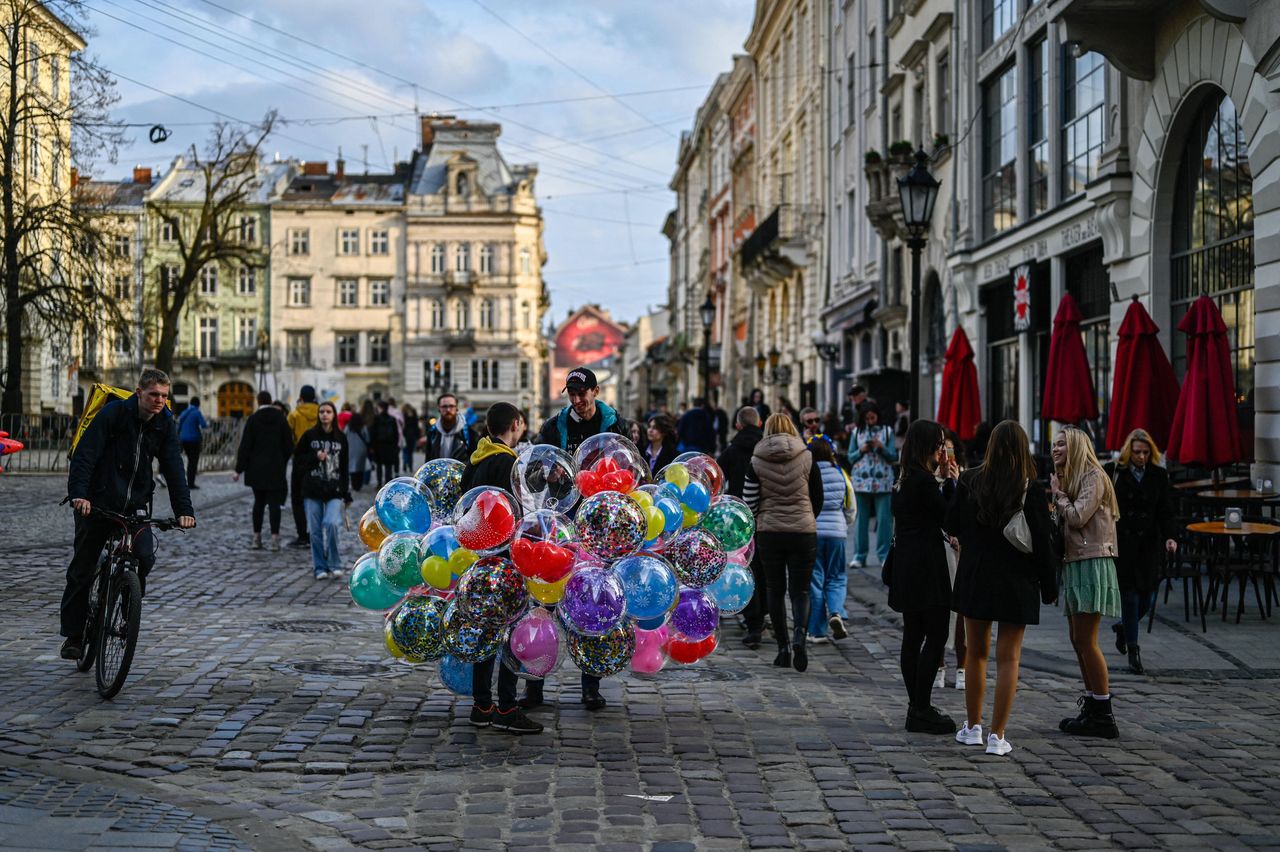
<point>900,149</point>
<point>871,158</point>
<point>941,140</point>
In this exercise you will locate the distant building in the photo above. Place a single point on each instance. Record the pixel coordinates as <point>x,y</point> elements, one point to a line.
<point>587,338</point>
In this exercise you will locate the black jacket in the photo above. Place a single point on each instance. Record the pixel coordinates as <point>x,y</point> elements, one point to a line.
<point>919,578</point>
<point>1146,522</point>
<point>666,455</point>
<point>265,446</point>
<point>328,479</point>
<point>994,580</point>
<point>384,439</point>
<point>563,431</point>
<point>463,446</point>
<point>492,470</point>
<point>697,431</point>
<point>111,466</point>
<point>735,461</point>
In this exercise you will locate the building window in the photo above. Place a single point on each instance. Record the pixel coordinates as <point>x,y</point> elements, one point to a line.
<point>379,292</point>
<point>851,206</point>
<point>462,258</point>
<point>486,259</point>
<point>438,374</point>
<point>437,314</point>
<point>55,76</point>
<point>526,316</point>
<point>209,280</point>
<point>33,59</point>
<point>208,337</point>
<point>486,314</point>
<point>298,351</point>
<point>168,277</point>
<point>919,112</point>
<point>942,82</point>
<point>463,185</point>
<point>1083,96</point>
<point>1000,151</point>
<point>1038,124</point>
<point>998,16</point>
<point>299,292</point>
<point>851,90</point>
<point>437,259</point>
<point>247,280</point>
<point>124,288</point>
<point>248,230</point>
<point>379,241</point>
<point>348,242</point>
<point>348,292</point>
<point>525,373</point>
<point>123,247</point>
<point>347,349</point>
<point>460,315</point>
<point>1088,283</point>
<point>484,374</point>
<point>124,341</point>
<point>379,347</point>
<point>247,334</point>
<point>299,241</point>
<point>526,261</point>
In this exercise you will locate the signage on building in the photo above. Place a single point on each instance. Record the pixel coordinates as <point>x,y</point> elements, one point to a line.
<point>1022,298</point>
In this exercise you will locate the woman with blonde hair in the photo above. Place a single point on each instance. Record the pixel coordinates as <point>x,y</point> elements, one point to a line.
<point>1144,534</point>
<point>1087,512</point>
<point>784,489</point>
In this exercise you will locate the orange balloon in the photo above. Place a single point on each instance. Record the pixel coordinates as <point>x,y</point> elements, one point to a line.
<point>372,532</point>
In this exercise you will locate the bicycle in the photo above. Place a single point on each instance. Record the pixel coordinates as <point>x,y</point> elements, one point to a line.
<point>115,603</point>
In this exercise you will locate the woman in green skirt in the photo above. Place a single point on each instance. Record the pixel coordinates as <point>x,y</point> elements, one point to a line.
<point>1087,511</point>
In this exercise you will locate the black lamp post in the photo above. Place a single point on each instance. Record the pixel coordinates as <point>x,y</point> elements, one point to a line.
<point>918,190</point>
<point>707,313</point>
<point>828,352</point>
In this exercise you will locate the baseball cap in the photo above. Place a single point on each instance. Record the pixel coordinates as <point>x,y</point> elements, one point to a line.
<point>580,378</point>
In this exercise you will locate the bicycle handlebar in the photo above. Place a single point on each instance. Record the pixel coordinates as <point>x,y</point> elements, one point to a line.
<point>162,524</point>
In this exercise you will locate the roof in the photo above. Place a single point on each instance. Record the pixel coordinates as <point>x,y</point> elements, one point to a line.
<point>350,190</point>
<point>465,141</point>
<point>112,194</point>
<point>185,183</point>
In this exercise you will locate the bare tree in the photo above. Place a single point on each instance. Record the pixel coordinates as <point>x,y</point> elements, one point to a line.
<point>206,227</point>
<point>54,111</point>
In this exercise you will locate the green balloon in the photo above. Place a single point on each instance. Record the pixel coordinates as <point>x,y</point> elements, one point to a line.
<point>731,522</point>
<point>369,589</point>
<point>400,560</point>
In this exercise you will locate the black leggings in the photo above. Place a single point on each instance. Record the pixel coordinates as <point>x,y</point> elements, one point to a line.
<point>788,567</point>
<point>924,641</point>
<point>271,500</point>
<point>385,473</point>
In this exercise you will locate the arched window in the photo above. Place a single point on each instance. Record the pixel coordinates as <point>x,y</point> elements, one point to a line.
<point>460,315</point>
<point>525,315</point>
<point>462,258</point>
<point>526,261</point>
<point>437,259</point>
<point>464,185</point>
<point>1212,245</point>
<point>437,314</point>
<point>486,259</point>
<point>486,314</point>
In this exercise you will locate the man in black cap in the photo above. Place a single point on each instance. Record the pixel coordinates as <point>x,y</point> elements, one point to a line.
<point>584,416</point>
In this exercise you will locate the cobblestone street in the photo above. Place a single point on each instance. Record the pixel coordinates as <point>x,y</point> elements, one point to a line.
<point>262,713</point>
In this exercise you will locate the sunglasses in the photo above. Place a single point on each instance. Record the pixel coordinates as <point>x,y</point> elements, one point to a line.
<point>810,421</point>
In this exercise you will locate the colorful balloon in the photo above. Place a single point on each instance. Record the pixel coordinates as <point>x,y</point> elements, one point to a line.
<point>546,593</point>
<point>697,557</point>
<point>594,601</point>
<point>404,505</point>
<point>649,656</point>
<point>485,519</point>
<point>468,641</point>
<point>686,651</point>
<point>400,560</point>
<point>696,615</point>
<point>609,462</point>
<point>417,630</point>
<point>456,675</point>
<point>611,525</point>
<point>730,520</point>
<point>369,588</point>
<point>371,530</point>
<point>443,478</point>
<point>492,592</point>
<point>733,589</point>
<point>602,656</point>
<point>541,547</point>
<point>705,468</point>
<point>392,648</point>
<point>649,583</point>
<point>535,643</point>
<point>543,477</point>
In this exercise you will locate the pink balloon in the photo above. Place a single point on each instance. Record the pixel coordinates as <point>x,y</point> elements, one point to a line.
<point>535,642</point>
<point>649,657</point>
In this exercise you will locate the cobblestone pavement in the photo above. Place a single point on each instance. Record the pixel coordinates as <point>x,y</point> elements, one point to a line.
<point>262,713</point>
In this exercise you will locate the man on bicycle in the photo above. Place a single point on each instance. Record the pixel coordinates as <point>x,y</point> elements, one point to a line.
<point>111,469</point>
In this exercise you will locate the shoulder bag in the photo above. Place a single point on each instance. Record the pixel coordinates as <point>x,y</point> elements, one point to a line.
<point>1016,531</point>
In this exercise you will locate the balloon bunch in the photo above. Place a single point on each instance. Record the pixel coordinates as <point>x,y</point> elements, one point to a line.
<point>638,577</point>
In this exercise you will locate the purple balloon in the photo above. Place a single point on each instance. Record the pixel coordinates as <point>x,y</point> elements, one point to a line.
<point>594,601</point>
<point>696,615</point>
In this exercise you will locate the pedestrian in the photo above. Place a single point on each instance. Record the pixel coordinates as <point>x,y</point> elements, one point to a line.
<point>755,399</point>
<point>810,424</point>
<point>384,442</point>
<point>954,449</point>
<point>872,454</point>
<point>467,412</point>
<point>1087,509</point>
<point>344,415</point>
<point>998,581</point>
<point>262,458</point>
<point>411,432</point>
<point>784,489</point>
<point>398,416</point>
<point>1145,531</point>
<point>450,437</point>
<point>583,417</point>
<point>901,421</point>
<point>636,431</point>
<point>491,465</point>
<point>735,461</point>
<point>326,486</point>
<point>853,402</point>
<point>660,448</point>
<point>720,423</point>
<point>357,449</point>
<point>301,420</point>
<point>696,429</point>
<point>916,572</point>
<point>191,426</point>
<point>830,571</point>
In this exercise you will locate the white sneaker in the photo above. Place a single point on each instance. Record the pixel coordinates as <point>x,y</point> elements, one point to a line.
<point>996,745</point>
<point>855,563</point>
<point>940,680</point>
<point>818,640</point>
<point>968,735</point>
<point>959,678</point>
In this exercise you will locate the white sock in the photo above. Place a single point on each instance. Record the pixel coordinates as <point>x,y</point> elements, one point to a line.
<point>1106,697</point>
<point>1089,694</point>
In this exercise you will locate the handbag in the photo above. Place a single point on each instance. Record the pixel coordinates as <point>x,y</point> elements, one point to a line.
<point>1016,531</point>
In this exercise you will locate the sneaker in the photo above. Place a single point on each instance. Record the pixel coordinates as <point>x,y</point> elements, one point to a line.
<point>1121,645</point>
<point>515,721</point>
<point>855,563</point>
<point>940,679</point>
<point>838,630</point>
<point>594,701</point>
<point>257,542</point>
<point>322,575</point>
<point>481,717</point>
<point>337,573</point>
<point>71,649</point>
<point>275,544</point>
<point>300,542</point>
<point>783,660</point>
<point>818,640</point>
<point>959,678</point>
<point>997,745</point>
<point>970,735</point>
<point>929,721</point>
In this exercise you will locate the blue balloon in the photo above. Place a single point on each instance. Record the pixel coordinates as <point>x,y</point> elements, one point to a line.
<point>369,588</point>
<point>696,497</point>
<point>441,541</point>
<point>652,623</point>
<point>456,675</point>
<point>672,516</point>
<point>732,591</point>
<point>404,505</point>
<point>649,584</point>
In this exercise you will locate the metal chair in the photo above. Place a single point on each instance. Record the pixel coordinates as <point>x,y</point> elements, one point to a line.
<point>1189,564</point>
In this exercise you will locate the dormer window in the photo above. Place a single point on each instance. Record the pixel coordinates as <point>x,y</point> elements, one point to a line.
<point>464,185</point>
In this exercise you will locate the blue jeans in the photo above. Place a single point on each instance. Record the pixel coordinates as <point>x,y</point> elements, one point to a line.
<point>882,506</point>
<point>829,585</point>
<point>324,519</point>
<point>1133,606</point>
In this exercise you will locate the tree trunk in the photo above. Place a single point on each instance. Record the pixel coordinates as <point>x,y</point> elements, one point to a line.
<point>12,401</point>
<point>168,341</point>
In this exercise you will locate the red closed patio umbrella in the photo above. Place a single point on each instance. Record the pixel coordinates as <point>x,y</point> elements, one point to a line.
<point>959,408</point>
<point>1068,386</point>
<point>1144,390</point>
<point>1205,431</point>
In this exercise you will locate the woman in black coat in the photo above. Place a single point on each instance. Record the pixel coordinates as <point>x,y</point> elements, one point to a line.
<point>1145,532</point>
<point>916,571</point>
<point>995,580</point>
<point>384,442</point>
<point>265,447</point>
<point>321,461</point>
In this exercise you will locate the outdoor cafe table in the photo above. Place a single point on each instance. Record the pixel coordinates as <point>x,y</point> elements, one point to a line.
<point>1219,530</point>
<point>1248,498</point>
<point>1198,484</point>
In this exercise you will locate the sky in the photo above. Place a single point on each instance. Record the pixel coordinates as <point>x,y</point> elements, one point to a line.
<point>628,76</point>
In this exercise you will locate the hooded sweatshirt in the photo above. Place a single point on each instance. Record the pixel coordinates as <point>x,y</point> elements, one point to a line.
<point>490,464</point>
<point>302,418</point>
<point>781,477</point>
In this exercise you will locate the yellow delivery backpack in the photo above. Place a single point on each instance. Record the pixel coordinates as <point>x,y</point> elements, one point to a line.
<point>99,396</point>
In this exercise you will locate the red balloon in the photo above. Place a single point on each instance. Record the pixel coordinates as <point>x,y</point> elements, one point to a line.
<point>606,465</point>
<point>622,481</point>
<point>487,524</point>
<point>685,652</point>
<point>552,563</point>
<point>588,483</point>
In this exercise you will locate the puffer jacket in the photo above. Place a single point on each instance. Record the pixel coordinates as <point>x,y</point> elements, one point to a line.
<point>782,475</point>
<point>836,495</point>
<point>1088,526</point>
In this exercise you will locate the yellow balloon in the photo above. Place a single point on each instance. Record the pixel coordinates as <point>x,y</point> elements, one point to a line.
<point>677,475</point>
<point>547,593</point>
<point>654,522</point>
<point>372,532</point>
<point>642,497</point>
<point>390,642</point>
<point>436,572</point>
<point>690,518</point>
<point>461,559</point>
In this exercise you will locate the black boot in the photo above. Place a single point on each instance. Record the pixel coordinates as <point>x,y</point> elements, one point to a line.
<point>783,660</point>
<point>1082,703</point>
<point>1098,721</point>
<point>1135,660</point>
<point>1121,645</point>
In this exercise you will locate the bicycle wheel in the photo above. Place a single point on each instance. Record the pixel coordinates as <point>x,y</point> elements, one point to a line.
<point>97,593</point>
<point>118,632</point>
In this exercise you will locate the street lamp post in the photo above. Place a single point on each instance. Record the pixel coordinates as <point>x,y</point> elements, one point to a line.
<point>828,352</point>
<point>707,313</point>
<point>918,190</point>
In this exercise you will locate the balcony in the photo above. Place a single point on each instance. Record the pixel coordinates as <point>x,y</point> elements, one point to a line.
<point>460,339</point>
<point>884,208</point>
<point>775,249</point>
<point>455,280</point>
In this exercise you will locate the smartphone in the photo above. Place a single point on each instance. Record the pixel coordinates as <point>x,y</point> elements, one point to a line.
<point>951,453</point>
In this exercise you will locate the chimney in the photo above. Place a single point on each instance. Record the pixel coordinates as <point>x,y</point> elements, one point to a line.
<point>142,175</point>
<point>428,134</point>
<point>340,167</point>
<point>315,169</point>
<point>75,177</point>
